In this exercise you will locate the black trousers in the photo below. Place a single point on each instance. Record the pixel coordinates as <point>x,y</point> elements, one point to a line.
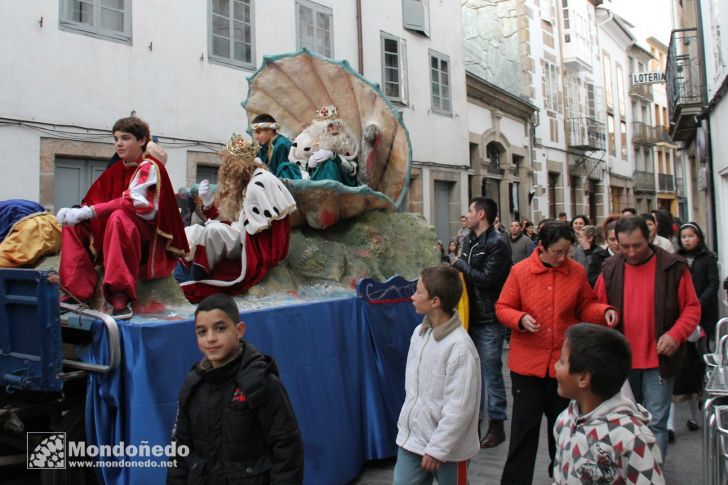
<point>532,398</point>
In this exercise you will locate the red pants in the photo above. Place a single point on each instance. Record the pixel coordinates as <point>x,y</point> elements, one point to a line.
<point>123,238</point>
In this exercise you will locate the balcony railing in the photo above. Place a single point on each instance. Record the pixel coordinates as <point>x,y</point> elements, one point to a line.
<point>643,91</point>
<point>644,181</point>
<point>685,90</point>
<point>644,133</point>
<point>586,134</point>
<point>666,182</point>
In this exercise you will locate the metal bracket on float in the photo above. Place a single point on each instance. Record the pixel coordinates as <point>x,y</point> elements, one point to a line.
<point>85,319</point>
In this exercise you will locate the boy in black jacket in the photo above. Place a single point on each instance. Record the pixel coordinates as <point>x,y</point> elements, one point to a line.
<point>234,414</point>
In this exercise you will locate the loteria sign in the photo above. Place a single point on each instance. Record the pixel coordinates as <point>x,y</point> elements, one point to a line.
<point>648,77</point>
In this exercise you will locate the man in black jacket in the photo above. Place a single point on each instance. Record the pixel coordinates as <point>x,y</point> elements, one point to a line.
<point>485,264</point>
<point>234,414</point>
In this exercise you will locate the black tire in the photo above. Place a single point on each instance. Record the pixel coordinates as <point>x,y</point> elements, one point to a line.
<point>73,423</point>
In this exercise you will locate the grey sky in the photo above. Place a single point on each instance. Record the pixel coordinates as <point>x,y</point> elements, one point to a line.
<point>650,17</point>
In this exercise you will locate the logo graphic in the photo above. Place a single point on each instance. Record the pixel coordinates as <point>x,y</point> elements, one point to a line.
<point>48,453</point>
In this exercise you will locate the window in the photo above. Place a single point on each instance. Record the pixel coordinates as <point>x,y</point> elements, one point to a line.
<point>315,28</point>
<point>608,81</point>
<point>231,32</point>
<point>207,172</point>
<point>394,68</point>
<point>551,86</point>
<point>109,19</point>
<point>440,83</point>
<point>623,138</point>
<point>591,101</point>
<point>416,16</point>
<point>620,89</point>
<point>548,11</point>
<point>72,178</point>
<point>610,133</point>
<point>548,34</point>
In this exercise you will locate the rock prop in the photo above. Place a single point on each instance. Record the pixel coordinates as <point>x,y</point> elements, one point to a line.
<point>153,296</point>
<point>376,245</point>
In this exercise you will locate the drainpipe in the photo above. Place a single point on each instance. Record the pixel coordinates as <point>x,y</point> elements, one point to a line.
<point>709,150</point>
<point>359,38</point>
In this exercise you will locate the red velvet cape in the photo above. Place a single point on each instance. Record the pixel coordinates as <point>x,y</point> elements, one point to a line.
<point>169,241</point>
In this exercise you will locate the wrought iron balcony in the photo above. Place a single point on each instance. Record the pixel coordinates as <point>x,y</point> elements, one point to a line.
<point>685,90</point>
<point>586,134</point>
<point>666,182</point>
<point>644,133</point>
<point>644,181</point>
<point>643,91</point>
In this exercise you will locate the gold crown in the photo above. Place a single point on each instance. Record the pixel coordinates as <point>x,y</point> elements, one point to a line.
<point>327,113</point>
<point>240,147</point>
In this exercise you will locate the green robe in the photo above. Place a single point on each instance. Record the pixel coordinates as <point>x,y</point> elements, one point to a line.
<point>332,170</point>
<point>275,155</point>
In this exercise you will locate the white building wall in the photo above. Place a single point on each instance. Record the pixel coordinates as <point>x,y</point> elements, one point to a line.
<point>19,163</point>
<point>714,14</point>
<point>435,137</point>
<point>67,78</point>
<point>545,149</point>
<point>479,119</point>
<point>616,50</point>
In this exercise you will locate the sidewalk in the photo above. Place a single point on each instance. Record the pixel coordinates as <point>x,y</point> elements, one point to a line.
<point>684,460</point>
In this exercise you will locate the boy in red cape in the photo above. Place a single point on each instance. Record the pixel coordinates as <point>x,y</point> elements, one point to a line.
<point>129,222</point>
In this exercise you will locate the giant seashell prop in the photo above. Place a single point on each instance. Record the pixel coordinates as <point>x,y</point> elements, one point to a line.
<point>292,87</point>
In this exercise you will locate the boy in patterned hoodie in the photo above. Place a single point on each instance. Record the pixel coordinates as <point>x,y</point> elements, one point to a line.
<point>601,437</point>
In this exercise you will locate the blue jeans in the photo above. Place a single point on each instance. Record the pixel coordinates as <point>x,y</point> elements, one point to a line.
<point>488,340</point>
<point>655,394</point>
<point>408,471</point>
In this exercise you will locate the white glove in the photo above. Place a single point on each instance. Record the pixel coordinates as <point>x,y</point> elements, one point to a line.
<point>205,193</point>
<point>61,216</point>
<point>75,215</point>
<point>320,156</point>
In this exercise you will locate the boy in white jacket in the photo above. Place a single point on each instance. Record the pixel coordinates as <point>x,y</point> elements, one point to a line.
<point>601,437</point>
<point>438,425</point>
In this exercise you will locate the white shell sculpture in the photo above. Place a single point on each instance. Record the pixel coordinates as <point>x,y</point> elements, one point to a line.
<point>291,87</point>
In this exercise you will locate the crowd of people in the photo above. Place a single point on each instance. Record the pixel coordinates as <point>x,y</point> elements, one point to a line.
<point>614,317</point>
<point>607,323</point>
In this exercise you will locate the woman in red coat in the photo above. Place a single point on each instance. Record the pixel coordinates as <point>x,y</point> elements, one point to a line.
<point>543,296</point>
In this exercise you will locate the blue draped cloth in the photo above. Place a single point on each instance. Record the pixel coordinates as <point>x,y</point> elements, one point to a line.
<point>342,362</point>
<point>12,210</point>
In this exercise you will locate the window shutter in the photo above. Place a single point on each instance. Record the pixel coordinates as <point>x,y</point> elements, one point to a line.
<point>415,16</point>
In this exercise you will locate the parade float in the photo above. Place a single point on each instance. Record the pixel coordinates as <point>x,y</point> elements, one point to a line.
<point>333,313</point>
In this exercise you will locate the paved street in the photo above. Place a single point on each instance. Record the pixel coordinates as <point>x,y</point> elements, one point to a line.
<point>684,461</point>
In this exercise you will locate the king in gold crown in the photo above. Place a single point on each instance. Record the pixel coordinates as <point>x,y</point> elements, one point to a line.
<point>327,113</point>
<point>240,147</point>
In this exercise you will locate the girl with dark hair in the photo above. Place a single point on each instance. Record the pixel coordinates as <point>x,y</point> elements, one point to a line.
<point>704,271</point>
<point>703,265</point>
<point>663,219</point>
<point>453,248</point>
<point>578,223</point>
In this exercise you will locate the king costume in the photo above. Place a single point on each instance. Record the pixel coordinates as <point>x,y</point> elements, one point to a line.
<point>136,231</point>
<point>232,256</point>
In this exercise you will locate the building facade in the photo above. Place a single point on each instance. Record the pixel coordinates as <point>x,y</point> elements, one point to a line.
<point>182,67</point>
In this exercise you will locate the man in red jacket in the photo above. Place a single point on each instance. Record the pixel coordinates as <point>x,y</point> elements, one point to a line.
<point>129,222</point>
<point>654,293</point>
